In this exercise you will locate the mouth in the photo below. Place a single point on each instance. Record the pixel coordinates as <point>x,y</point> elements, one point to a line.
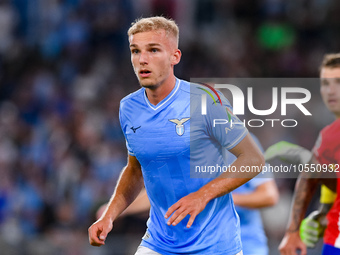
<point>144,73</point>
<point>332,101</point>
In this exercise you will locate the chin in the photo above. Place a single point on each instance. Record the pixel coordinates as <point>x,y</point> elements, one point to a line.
<point>148,85</point>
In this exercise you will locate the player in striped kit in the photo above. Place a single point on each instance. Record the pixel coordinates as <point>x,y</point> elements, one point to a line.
<point>325,152</point>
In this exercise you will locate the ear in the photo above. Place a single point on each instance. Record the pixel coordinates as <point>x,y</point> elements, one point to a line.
<point>176,57</point>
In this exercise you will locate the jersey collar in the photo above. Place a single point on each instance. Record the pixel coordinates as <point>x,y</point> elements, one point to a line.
<point>165,100</point>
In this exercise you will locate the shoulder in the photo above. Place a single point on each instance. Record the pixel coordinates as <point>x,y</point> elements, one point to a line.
<point>327,139</point>
<point>132,98</point>
<point>196,90</point>
<point>334,127</point>
<point>331,131</point>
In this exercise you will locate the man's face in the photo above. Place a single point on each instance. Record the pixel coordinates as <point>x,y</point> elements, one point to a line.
<point>330,89</point>
<point>153,56</point>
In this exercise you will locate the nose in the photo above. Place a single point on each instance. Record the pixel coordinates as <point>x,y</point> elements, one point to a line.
<point>331,89</point>
<point>143,58</point>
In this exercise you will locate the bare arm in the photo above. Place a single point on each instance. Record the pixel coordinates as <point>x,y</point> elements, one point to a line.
<point>140,205</point>
<point>264,195</point>
<point>129,186</point>
<point>247,154</point>
<point>304,191</point>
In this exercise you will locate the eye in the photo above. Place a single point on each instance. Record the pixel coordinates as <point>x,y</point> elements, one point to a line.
<point>324,82</point>
<point>134,51</point>
<point>154,50</point>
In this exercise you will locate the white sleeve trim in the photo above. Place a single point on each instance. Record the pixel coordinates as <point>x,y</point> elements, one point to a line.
<point>237,140</point>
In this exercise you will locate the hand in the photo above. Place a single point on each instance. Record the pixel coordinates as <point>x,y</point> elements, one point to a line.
<point>98,231</point>
<point>290,243</point>
<point>288,152</point>
<point>312,228</point>
<point>192,204</point>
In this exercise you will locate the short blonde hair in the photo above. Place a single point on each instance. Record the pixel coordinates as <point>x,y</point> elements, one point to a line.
<point>155,23</point>
<point>331,61</point>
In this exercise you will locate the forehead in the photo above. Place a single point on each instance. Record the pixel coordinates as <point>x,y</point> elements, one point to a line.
<point>149,37</point>
<point>328,73</point>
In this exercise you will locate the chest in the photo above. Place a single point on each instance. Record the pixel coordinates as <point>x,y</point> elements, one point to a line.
<point>158,135</point>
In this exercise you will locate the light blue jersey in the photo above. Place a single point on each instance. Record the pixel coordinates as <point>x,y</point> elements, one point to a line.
<point>254,240</point>
<point>159,137</point>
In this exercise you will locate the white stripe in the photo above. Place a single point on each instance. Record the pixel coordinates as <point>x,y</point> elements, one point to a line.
<point>337,240</point>
<point>153,108</point>
<point>236,141</point>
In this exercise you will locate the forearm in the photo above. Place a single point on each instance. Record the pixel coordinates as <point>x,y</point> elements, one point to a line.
<point>128,187</point>
<point>229,181</point>
<point>264,195</point>
<point>253,201</point>
<point>305,189</point>
<point>248,201</point>
<point>140,205</point>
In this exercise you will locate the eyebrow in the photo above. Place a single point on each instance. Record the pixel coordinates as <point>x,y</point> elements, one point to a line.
<point>150,45</point>
<point>326,80</point>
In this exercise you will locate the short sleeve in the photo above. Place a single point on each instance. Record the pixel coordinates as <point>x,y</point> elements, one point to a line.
<point>223,125</point>
<point>123,126</point>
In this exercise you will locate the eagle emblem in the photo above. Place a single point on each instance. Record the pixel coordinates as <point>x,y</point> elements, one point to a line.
<point>179,125</point>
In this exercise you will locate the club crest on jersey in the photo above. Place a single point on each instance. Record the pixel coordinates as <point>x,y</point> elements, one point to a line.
<point>179,125</point>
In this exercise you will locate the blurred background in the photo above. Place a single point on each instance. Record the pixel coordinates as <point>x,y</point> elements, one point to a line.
<point>65,65</point>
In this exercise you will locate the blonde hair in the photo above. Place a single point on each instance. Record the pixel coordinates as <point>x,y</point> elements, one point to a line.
<point>331,61</point>
<point>155,23</point>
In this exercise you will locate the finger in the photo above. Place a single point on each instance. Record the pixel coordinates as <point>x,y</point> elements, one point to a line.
<point>94,240</point>
<point>291,251</point>
<point>283,251</point>
<point>179,218</point>
<point>312,232</point>
<point>175,215</point>
<point>102,236</point>
<point>171,209</point>
<point>303,249</point>
<point>93,236</point>
<point>313,239</point>
<point>312,224</point>
<point>191,220</point>
<point>309,244</point>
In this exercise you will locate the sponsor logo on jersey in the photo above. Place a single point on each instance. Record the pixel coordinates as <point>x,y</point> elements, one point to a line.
<point>134,129</point>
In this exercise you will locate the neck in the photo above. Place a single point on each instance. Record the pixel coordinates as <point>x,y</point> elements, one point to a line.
<point>157,94</point>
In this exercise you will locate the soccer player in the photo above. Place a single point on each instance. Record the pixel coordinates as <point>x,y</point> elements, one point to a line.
<point>259,192</point>
<point>313,226</point>
<point>248,199</point>
<point>187,215</point>
<point>327,152</point>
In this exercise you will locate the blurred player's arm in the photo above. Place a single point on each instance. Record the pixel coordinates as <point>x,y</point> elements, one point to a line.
<point>266,194</point>
<point>305,188</point>
<point>129,186</point>
<point>248,154</point>
<point>140,205</point>
<point>314,225</point>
